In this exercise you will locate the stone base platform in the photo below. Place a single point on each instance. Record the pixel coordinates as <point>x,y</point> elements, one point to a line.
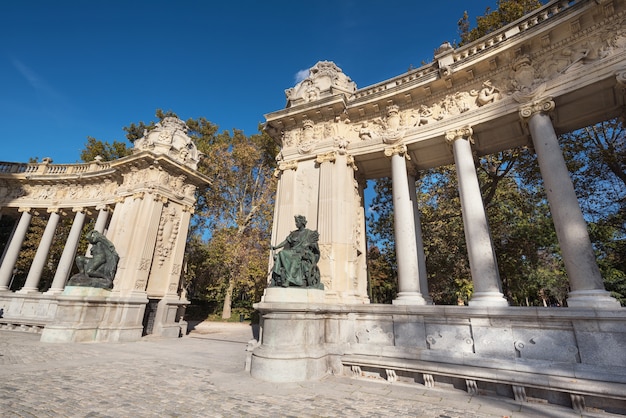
<point>87,314</point>
<point>566,356</point>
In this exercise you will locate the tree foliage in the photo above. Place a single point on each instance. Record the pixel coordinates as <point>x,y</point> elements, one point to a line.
<point>506,11</point>
<point>108,151</point>
<point>235,210</point>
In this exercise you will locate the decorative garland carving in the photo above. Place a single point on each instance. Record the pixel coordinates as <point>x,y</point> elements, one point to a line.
<point>167,233</point>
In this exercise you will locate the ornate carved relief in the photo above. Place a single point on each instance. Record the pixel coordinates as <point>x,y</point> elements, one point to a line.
<point>307,138</point>
<point>392,127</point>
<point>325,79</point>
<point>144,264</point>
<point>170,137</point>
<point>487,94</point>
<point>167,233</point>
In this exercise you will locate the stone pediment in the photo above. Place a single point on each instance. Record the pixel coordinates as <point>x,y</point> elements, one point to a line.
<point>325,79</point>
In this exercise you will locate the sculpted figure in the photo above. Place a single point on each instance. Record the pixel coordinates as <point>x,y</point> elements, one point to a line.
<point>296,264</point>
<point>98,270</point>
<point>488,94</point>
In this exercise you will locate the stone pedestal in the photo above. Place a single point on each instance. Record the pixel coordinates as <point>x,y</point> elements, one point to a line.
<point>87,314</point>
<point>292,295</point>
<point>291,348</point>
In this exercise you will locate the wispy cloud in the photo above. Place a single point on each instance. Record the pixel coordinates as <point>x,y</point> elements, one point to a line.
<point>301,75</point>
<point>33,78</point>
<point>51,101</point>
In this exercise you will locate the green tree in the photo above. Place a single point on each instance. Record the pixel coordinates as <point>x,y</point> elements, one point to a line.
<point>237,207</point>
<point>383,280</point>
<point>108,151</point>
<point>506,11</point>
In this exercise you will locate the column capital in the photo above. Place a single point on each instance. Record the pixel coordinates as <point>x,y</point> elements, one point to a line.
<point>24,210</point>
<point>399,149</point>
<point>285,165</point>
<point>350,162</point>
<point>465,132</point>
<point>544,105</point>
<point>104,207</point>
<point>329,157</point>
<point>160,198</point>
<point>56,210</point>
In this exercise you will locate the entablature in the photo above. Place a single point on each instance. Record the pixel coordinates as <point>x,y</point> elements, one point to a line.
<point>569,50</point>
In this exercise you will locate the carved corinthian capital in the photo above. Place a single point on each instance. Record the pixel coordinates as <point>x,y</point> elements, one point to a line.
<point>399,149</point>
<point>465,132</point>
<point>538,106</point>
<point>329,157</point>
<point>285,165</point>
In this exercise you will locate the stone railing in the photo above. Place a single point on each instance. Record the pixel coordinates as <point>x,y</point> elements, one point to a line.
<point>46,168</point>
<point>528,21</point>
<point>423,73</point>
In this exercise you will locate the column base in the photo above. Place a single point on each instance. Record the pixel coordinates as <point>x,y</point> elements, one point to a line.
<point>28,290</point>
<point>409,298</point>
<point>597,299</point>
<point>53,292</point>
<point>488,299</point>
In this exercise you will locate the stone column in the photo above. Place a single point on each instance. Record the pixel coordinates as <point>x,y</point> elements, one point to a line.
<point>69,252</point>
<point>419,240</point>
<point>101,221</point>
<point>39,261</point>
<point>482,260</point>
<point>586,285</point>
<point>404,230</point>
<point>13,250</point>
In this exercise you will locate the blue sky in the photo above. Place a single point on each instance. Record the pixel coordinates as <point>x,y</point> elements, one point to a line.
<point>72,69</point>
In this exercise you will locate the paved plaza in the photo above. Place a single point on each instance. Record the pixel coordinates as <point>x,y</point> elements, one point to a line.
<point>203,375</point>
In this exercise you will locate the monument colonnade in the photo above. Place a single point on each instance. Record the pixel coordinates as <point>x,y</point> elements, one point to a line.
<point>558,69</point>
<point>141,203</point>
<point>66,262</point>
<point>498,93</point>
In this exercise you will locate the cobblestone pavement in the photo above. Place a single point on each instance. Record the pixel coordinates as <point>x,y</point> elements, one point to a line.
<point>202,375</point>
